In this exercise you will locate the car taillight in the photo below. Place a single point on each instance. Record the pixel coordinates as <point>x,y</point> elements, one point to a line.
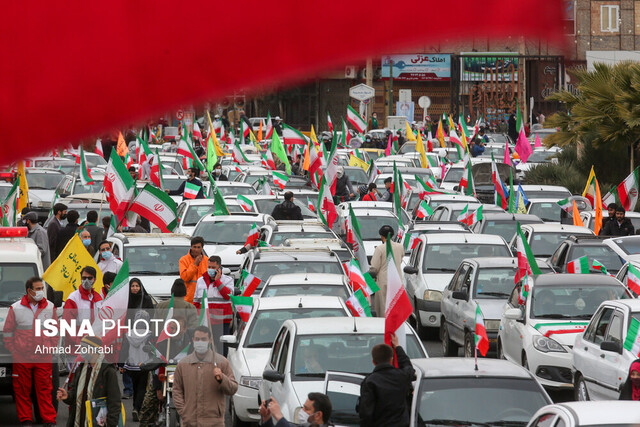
<point>14,231</point>
<point>7,176</point>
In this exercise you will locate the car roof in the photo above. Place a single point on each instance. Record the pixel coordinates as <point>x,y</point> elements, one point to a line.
<point>284,302</point>
<point>232,184</point>
<point>561,279</point>
<point>236,218</point>
<point>373,212</point>
<point>627,214</point>
<point>447,367</point>
<point>632,304</point>
<point>437,225</point>
<point>338,325</point>
<point>439,238</point>
<point>489,262</point>
<point>155,239</point>
<point>501,216</point>
<point>604,412</point>
<point>307,278</point>
<point>544,200</point>
<point>544,188</point>
<point>198,202</point>
<point>19,250</point>
<point>367,205</point>
<point>277,253</point>
<point>289,226</point>
<point>557,228</point>
<point>453,197</point>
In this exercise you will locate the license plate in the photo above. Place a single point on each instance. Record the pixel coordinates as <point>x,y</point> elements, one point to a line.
<point>3,372</point>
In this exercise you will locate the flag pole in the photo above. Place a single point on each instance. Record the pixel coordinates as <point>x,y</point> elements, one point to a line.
<point>475,350</point>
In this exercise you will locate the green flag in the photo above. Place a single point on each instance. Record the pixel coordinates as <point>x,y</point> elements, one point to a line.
<point>513,206</point>
<point>278,150</point>
<point>212,157</point>
<point>218,199</point>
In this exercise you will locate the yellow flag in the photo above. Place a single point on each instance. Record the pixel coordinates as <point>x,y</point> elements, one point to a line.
<point>122,149</point>
<point>23,198</point>
<point>423,153</point>
<point>313,136</point>
<point>216,144</point>
<point>592,177</point>
<point>64,273</point>
<point>440,134</point>
<point>354,161</point>
<point>410,134</point>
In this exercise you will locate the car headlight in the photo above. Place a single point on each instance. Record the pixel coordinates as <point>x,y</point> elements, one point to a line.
<point>492,325</point>
<point>251,382</point>
<point>432,295</point>
<point>547,345</point>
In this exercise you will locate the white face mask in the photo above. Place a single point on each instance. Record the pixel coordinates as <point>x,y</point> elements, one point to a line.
<point>200,347</point>
<point>303,418</point>
<point>87,284</point>
<point>38,296</point>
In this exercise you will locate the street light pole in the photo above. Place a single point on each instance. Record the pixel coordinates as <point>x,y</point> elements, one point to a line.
<point>390,89</point>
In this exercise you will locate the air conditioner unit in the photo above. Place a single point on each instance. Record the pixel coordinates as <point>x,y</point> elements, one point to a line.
<point>350,72</point>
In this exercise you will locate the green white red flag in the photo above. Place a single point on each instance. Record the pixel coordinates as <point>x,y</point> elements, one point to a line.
<point>424,210</point>
<point>252,238</point>
<point>525,288</point>
<point>482,340</point>
<point>218,199</point>
<point>114,306</point>
<point>633,279</point>
<point>597,265</point>
<point>470,218</point>
<point>527,264</point>
<point>500,196</point>
<point>410,240</point>
<point>238,155</point>
<point>243,306</point>
<point>293,136</point>
<point>191,190</point>
<point>85,175</point>
<point>354,238</point>
<point>269,127</point>
<point>157,206</point>
<point>628,190</point>
<point>118,185</point>
<point>632,341</point>
<point>280,179</point>
<point>358,304</point>
<point>356,120</point>
<point>113,226</point>
<point>204,318</point>
<point>10,205</point>
<point>578,265</point>
<point>165,333</point>
<point>565,205</point>
<point>590,189</point>
<point>326,208</point>
<point>329,122</point>
<point>466,182</point>
<point>267,160</point>
<point>156,172</point>
<point>398,306</point>
<point>99,150</point>
<point>245,203</point>
<point>361,281</point>
<point>249,283</point>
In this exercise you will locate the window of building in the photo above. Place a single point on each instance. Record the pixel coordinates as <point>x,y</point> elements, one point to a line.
<point>569,20</point>
<point>609,18</point>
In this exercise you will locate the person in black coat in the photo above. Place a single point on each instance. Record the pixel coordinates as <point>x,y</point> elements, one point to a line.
<point>138,296</point>
<point>68,231</point>
<point>384,392</point>
<point>287,210</point>
<point>631,388</point>
<point>619,226</point>
<point>512,131</point>
<point>192,174</point>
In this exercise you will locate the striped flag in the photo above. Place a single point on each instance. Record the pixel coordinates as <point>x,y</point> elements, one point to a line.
<point>628,191</point>
<point>500,197</point>
<point>424,210</point>
<point>329,122</point>
<point>269,129</point>
<point>398,306</point>
<point>85,175</point>
<point>99,150</point>
<point>597,265</point>
<point>527,264</point>
<point>361,281</point>
<point>632,342</point>
<point>633,279</point>
<point>293,136</point>
<point>565,205</point>
<point>356,120</point>
<point>249,283</point>
<point>590,189</point>
<point>471,218</point>
<point>482,340</point>
<point>113,226</point>
<point>358,304</point>
<point>245,203</point>
<point>280,179</point>
<point>578,265</point>
<point>243,306</point>
<point>118,185</point>
<point>164,334</point>
<point>354,238</point>
<point>204,318</point>
<point>157,206</point>
<point>191,190</point>
<point>252,238</point>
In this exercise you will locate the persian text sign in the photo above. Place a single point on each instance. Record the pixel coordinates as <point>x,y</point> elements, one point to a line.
<point>419,67</point>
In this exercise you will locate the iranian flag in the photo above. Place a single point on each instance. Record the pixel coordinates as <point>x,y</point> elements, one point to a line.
<point>249,283</point>
<point>191,190</point>
<point>165,334</point>
<point>245,203</point>
<point>454,138</point>
<point>85,175</point>
<point>98,150</point>
<point>471,218</point>
<point>243,306</point>
<point>184,146</point>
<point>269,130</point>
<point>205,316</point>
<point>597,265</point>
<point>354,238</point>
<point>118,185</point>
<point>293,136</point>
<point>356,120</point>
<point>280,179</point>
<point>424,210</point>
<point>114,307</point>
<point>113,226</point>
<point>632,342</point>
<point>398,306</point>
<point>565,205</point>
<point>331,172</point>
<point>466,182</point>
<point>238,155</point>
<point>359,280</point>
<point>410,241</point>
<point>500,196</point>
<point>329,122</point>
<point>252,238</point>
<point>526,261</point>
<point>312,161</point>
<point>310,205</point>
<point>628,191</point>
<point>482,340</point>
<point>525,288</point>
<point>326,208</point>
<point>246,129</point>
<point>267,160</point>
<point>157,206</point>
<point>10,205</point>
<point>358,304</point>
<point>578,266</point>
<point>218,200</point>
<point>156,353</point>
<point>266,188</point>
<point>633,279</point>
<point>196,130</point>
<point>156,172</point>
<point>590,189</point>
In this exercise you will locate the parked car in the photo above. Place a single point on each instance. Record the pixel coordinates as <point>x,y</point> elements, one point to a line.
<point>584,414</point>
<point>590,246</point>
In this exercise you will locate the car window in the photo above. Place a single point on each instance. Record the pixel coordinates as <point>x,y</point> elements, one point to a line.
<point>224,232</point>
<point>12,277</point>
<point>615,328</point>
<point>305,290</point>
<point>603,323</point>
<point>282,361</point>
<point>154,260</point>
<point>440,258</point>
<point>276,347</point>
<point>558,257</point>
<point>514,298</point>
<point>572,300</point>
<point>459,278</point>
<point>278,238</point>
<point>494,282</point>
<point>590,332</point>
<point>603,254</point>
<point>544,244</point>
<point>194,213</point>
<point>265,269</point>
<point>545,420</point>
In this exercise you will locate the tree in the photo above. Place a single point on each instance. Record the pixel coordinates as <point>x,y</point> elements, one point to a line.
<point>606,111</point>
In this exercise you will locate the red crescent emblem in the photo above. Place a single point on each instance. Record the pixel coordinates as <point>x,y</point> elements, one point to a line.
<point>106,313</point>
<point>158,207</point>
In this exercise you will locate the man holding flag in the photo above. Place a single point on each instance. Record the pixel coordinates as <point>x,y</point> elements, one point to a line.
<point>191,188</point>
<point>378,268</point>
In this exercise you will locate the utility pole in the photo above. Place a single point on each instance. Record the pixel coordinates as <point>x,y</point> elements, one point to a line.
<point>369,82</point>
<point>390,113</point>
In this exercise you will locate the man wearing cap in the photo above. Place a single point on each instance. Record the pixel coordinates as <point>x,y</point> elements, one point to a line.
<point>39,236</point>
<point>378,268</point>
<point>30,366</point>
<point>344,188</point>
<point>277,125</point>
<point>93,379</point>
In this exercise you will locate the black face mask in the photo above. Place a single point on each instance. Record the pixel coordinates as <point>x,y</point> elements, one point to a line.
<point>63,216</point>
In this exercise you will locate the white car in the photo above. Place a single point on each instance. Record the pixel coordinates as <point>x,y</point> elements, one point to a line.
<point>225,234</point>
<point>173,182</point>
<point>626,247</point>
<point>276,234</point>
<point>545,238</point>
<point>370,221</point>
<point>434,200</point>
<point>622,273</point>
<point>232,189</point>
<point>264,204</point>
<point>153,258</point>
<point>585,414</point>
<point>408,177</point>
<point>307,284</point>
<point>540,335</point>
<point>600,363</point>
<point>451,211</point>
<point>251,343</point>
<point>191,210</point>
<point>343,210</point>
<point>433,263</point>
<point>305,349</point>
<point>431,227</point>
<point>555,192</point>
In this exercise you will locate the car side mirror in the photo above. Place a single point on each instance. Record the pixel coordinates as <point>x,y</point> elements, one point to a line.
<point>611,346</point>
<point>514,314</point>
<point>409,269</point>
<point>57,298</point>
<point>462,295</point>
<point>229,340</point>
<point>456,188</point>
<point>273,376</point>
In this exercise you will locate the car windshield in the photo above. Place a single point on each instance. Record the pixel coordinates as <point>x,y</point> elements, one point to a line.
<point>194,213</point>
<point>572,300</point>
<point>498,152</point>
<point>266,323</point>
<point>547,194</point>
<point>316,354</point>
<point>92,161</point>
<point>266,206</point>
<point>545,244</point>
<point>304,290</point>
<point>64,167</point>
<point>44,181</point>
<point>546,211</point>
<point>495,282</point>
<point>601,253</point>
<point>446,258</point>
<point>414,199</point>
<point>630,246</point>
<point>224,232</point>
<point>453,175</point>
<point>278,238</point>
<point>540,157</point>
<point>357,176</point>
<point>234,190</point>
<point>12,277</point>
<point>166,164</point>
<point>96,187</point>
<point>4,191</point>
<point>505,401</point>
<point>265,269</point>
<point>172,184</point>
<point>408,147</point>
<point>370,225</point>
<point>156,260</point>
<point>251,179</point>
<point>504,228</point>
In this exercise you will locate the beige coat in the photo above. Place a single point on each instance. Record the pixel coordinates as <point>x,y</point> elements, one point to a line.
<point>198,397</point>
<point>379,267</point>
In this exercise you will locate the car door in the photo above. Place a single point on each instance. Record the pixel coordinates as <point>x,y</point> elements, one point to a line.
<point>557,259</point>
<point>412,280</point>
<point>282,390</point>
<point>589,360</point>
<point>461,306</point>
<point>510,339</point>
<point>612,364</point>
<point>449,304</point>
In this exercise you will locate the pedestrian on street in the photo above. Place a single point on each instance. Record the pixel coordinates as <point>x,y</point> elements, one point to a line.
<point>31,369</point>
<point>287,210</point>
<point>541,118</point>
<point>191,188</point>
<point>217,173</point>
<point>277,125</point>
<point>94,230</point>
<point>134,354</point>
<point>372,193</point>
<point>385,392</point>
<point>202,381</point>
<point>54,227</point>
<point>85,237</point>
<point>68,231</point>
<point>39,236</point>
<point>315,412</point>
<point>344,188</point>
<point>378,267</point>
<point>107,282</point>
<point>631,388</point>
<point>180,306</point>
<point>192,266</point>
<point>93,379</point>
<point>512,132</point>
<point>82,303</point>
<point>387,196</point>
<point>108,260</point>
<point>620,226</point>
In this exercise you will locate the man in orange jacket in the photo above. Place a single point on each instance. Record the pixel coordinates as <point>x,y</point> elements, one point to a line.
<point>192,266</point>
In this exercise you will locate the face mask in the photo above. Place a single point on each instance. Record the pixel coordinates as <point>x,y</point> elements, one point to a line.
<point>86,242</point>
<point>211,272</point>
<point>218,171</point>
<point>87,284</point>
<point>38,296</point>
<point>63,216</point>
<point>635,382</point>
<point>106,255</point>
<point>201,347</point>
<point>303,418</point>
<point>86,356</point>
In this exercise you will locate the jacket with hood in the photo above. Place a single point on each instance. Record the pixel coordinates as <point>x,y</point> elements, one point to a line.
<point>629,391</point>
